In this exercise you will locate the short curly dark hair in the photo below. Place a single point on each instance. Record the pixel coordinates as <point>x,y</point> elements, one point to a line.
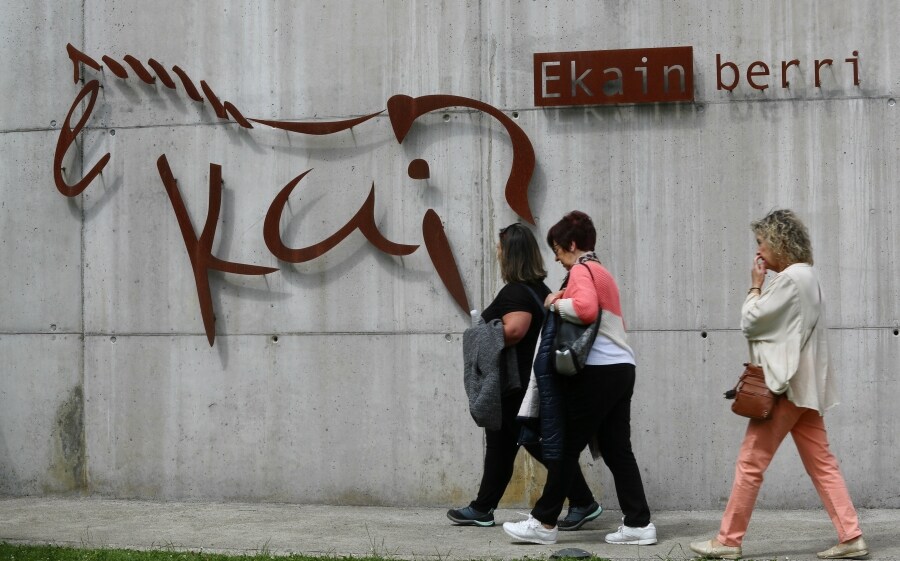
<point>575,226</point>
<point>785,233</point>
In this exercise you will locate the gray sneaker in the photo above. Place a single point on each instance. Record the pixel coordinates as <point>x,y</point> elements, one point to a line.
<point>468,516</point>
<point>578,516</point>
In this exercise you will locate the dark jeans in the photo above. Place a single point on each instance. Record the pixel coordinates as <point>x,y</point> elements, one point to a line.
<point>500,456</point>
<point>598,403</point>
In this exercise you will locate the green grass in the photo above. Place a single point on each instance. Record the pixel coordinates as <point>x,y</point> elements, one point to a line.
<point>11,552</point>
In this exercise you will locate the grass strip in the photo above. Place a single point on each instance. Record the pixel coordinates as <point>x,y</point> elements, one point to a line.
<point>16,552</point>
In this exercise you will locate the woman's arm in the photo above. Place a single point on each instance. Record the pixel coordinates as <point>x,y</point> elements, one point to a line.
<point>580,302</point>
<point>515,326</point>
<point>766,316</point>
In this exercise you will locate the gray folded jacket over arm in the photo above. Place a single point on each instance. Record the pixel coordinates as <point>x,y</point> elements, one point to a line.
<point>484,375</point>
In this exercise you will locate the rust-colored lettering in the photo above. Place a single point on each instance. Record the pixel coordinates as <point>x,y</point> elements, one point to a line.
<point>855,62</point>
<point>316,128</point>
<point>213,100</point>
<point>785,64</point>
<point>221,110</point>
<point>404,110</point>
<point>441,255</point>
<point>582,73</point>
<point>162,74</point>
<point>200,249</point>
<point>364,221</point>
<point>139,69</point>
<point>751,73</point>
<point>720,85</point>
<point>189,86</point>
<point>67,136</point>
<point>819,64</point>
<point>115,67</point>
<point>77,56</point>
<point>238,117</point>
<point>418,169</point>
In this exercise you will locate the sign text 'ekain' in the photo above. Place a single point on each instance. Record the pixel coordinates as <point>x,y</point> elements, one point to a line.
<point>658,75</point>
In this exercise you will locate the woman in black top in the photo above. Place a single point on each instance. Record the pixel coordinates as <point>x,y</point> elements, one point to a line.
<point>520,306</point>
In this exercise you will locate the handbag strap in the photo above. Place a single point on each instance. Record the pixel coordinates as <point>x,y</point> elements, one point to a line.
<point>565,282</point>
<point>534,295</point>
<point>593,282</point>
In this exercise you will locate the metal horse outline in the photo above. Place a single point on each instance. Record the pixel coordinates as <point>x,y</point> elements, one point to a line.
<point>402,110</point>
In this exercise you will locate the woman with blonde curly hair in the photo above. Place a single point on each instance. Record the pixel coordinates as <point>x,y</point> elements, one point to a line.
<point>784,323</point>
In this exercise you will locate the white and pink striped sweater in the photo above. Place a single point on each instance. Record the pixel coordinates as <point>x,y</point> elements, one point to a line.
<point>579,305</point>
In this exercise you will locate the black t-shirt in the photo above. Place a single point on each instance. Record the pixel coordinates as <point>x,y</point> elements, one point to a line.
<point>515,297</point>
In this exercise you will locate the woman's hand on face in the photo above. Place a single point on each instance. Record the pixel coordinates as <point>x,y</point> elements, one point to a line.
<point>758,272</point>
<point>552,297</point>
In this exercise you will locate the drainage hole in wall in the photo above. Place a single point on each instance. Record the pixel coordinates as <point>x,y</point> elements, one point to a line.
<point>704,334</point>
<point>52,123</point>
<point>274,338</point>
<point>448,337</point>
<point>53,327</point>
<point>896,331</point>
<point>112,339</point>
<point>112,132</point>
<point>446,116</point>
<point>892,102</point>
<point>515,114</point>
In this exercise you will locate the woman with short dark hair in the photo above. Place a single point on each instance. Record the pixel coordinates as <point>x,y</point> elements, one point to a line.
<point>784,323</point>
<point>519,307</point>
<point>597,400</point>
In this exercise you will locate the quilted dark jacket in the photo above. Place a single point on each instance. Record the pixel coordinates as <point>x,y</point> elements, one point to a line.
<point>550,427</point>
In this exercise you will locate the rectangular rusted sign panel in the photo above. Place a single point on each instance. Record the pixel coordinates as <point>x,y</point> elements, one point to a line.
<point>658,75</point>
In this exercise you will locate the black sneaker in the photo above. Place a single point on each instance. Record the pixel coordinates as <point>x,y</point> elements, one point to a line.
<point>470,517</point>
<point>578,516</point>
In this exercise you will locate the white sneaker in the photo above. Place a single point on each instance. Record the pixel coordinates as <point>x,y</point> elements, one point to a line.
<point>627,535</point>
<point>531,531</point>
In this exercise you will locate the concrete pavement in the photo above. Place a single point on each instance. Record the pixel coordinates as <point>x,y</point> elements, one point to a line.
<point>399,533</point>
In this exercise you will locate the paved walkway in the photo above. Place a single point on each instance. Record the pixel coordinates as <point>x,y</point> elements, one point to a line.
<point>399,533</point>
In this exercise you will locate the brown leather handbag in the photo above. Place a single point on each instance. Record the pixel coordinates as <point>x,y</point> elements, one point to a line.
<point>752,397</point>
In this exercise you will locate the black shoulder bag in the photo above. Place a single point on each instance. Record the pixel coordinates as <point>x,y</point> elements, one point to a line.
<point>573,342</point>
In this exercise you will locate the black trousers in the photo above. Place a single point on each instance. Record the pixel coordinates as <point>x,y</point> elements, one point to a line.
<point>597,402</point>
<point>501,448</point>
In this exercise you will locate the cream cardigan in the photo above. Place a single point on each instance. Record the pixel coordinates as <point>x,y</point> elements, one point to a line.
<point>785,327</point>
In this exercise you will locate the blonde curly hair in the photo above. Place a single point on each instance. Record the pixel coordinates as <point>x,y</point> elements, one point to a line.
<point>786,235</point>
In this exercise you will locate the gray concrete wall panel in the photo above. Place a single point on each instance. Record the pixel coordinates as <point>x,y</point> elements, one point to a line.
<point>356,419</point>
<point>40,241</point>
<point>338,380</point>
<point>41,415</point>
<point>288,60</point>
<point>36,73</point>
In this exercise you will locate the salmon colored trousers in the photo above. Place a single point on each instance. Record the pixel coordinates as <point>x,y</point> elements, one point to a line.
<point>760,443</point>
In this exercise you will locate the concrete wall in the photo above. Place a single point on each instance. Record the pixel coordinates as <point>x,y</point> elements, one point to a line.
<point>339,380</point>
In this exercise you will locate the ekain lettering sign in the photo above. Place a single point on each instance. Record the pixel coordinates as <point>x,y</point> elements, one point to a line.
<point>402,111</point>
<point>610,77</point>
